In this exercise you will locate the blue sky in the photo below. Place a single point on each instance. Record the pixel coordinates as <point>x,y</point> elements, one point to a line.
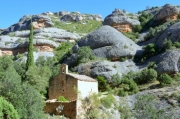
<point>12,10</point>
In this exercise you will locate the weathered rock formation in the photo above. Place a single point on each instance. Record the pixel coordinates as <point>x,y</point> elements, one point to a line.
<point>106,69</point>
<point>76,16</point>
<point>167,12</point>
<point>14,45</point>
<point>168,62</point>
<point>39,21</point>
<point>107,42</point>
<point>171,33</point>
<point>120,20</point>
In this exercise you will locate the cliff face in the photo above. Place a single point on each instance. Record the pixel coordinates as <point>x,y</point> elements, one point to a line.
<point>15,51</point>
<point>121,20</point>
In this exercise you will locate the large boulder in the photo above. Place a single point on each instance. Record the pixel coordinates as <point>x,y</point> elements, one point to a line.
<point>39,21</point>
<point>121,21</point>
<point>167,12</point>
<point>106,68</point>
<point>171,33</point>
<point>68,17</point>
<point>62,13</point>
<point>168,62</point>
<point>107,42</point>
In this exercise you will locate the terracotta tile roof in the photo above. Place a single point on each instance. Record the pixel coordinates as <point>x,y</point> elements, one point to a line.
<point>82,77</point>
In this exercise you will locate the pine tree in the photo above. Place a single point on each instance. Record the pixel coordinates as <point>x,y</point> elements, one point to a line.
<point>30,57</point>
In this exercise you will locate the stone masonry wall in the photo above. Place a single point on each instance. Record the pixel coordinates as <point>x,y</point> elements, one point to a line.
<point>63,85</point>
<point>69,108</point>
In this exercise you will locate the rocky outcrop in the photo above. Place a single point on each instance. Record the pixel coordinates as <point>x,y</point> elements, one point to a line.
<point>168,62</point>
<point>106,68</point>
<point>107,42</point>
<point>58,35</point>
<point>171,33</point>
<point>121,21</point>
<point>39,21</point>
<point>167,12</point>
<point>61,13</point>
<point>77,17</point>
<point>14,45</point>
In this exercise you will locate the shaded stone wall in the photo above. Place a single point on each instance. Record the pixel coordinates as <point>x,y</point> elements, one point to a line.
<point>123,27</point>
<point>69,108</point>
<point>63,85</point>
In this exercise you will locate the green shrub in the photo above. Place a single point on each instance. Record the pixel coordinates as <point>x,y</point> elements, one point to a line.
<point>151,65</point>
<point>116,80</point>
<point>146,76</point>
<point>176,44</point>
<point>108,100</point>
<point>137,28</point>
<point>164,79</point>
<point>84,55</point>
<point>102,83</point>
<point>167,44</point>
<point>178,16</point>
<point>132,35</point>
<point>127,86</point>
<point>63,50</point>
<point>62,99</point>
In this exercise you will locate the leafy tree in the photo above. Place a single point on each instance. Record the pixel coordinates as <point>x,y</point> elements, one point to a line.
<point>50,63</point>
<point>25,99</point>
<point>7,110</point>
<point>39,78</point>
<point>33,103</point>
<point>20,68</point>
<point>30,57</point>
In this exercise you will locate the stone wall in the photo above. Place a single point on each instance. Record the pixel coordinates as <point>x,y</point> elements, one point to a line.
<point>123,27</point>
<point>63,85</point>
<point>69,108</point>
